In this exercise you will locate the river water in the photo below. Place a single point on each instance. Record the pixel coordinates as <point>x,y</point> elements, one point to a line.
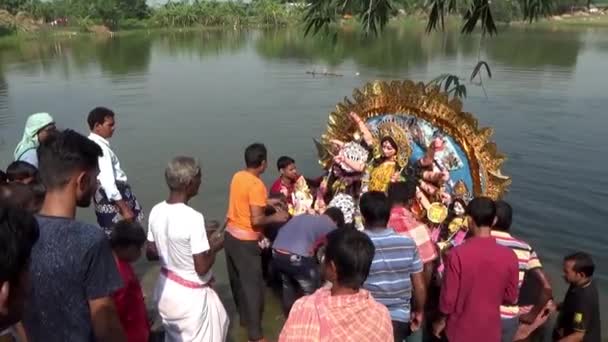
<point>209,94</point>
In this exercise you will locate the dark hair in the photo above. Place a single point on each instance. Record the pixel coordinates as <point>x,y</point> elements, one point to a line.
<point>98,115</point>
<point>25,196</point>
<point>255,155</point>
<point>390,141</point>
<point>20,170</point>
<point>126,234</point>
<point>284,162</point>
<point>482,210</point>
<point>352,252</point>
<point>2,177</point>
<point>375,209</point>
<point>504,216</point>
<point>582,263</point>
<point>63,155</point>
<point>19,232</point>
<point>336,215</point>
<point>401,192</point>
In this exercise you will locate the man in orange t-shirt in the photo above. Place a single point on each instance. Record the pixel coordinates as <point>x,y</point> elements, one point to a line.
<point>245,223</point>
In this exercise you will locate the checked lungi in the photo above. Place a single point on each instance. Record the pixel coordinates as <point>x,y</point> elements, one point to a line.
<point>107,211</point>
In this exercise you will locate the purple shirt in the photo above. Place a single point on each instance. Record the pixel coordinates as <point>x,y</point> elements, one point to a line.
<point>480,275</point>
<point>300,234</point>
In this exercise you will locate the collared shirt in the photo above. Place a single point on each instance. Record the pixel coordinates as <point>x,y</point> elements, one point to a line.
<point>389,280</point>
<point>527,261</point>
<point>479,276</point>
<point>403,222</point>
<point>109,169</point>
<point>322,317</point>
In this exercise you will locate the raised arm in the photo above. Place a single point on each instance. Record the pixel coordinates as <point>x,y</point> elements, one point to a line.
<point>367,135</point>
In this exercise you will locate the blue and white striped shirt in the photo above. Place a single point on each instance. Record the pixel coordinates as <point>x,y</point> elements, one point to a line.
<point>389,281</point>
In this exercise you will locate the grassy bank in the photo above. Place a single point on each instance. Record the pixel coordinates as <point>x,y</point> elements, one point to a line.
<point>598,20</point>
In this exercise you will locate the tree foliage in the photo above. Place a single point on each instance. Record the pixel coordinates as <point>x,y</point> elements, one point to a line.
<point>375,14</point>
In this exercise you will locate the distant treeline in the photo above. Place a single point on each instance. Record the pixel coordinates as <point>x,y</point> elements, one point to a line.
<point>126,14</point>
<point>132,14</point>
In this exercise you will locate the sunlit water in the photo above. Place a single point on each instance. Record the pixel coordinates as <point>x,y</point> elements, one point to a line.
<point>209,94</point>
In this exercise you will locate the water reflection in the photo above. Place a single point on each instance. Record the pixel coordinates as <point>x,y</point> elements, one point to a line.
<point>400,49</point>
<point>201,43</point>
<point>536,48</point>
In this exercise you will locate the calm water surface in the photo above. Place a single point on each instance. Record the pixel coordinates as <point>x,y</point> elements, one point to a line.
<point>209,94</point>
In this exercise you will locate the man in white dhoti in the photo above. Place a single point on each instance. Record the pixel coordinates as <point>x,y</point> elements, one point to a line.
<point>190,309</point>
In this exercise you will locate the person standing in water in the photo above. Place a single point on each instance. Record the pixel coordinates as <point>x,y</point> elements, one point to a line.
<point>114,199</point>
<point>245,221</point>
<point>38,128</point>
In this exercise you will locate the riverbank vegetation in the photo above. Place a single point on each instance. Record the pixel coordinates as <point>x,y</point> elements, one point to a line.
<point>89,15</point>
<point>105,16</point>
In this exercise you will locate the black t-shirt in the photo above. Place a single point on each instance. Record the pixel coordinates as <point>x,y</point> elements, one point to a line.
<point>581,312</point>
<point>72,263</point>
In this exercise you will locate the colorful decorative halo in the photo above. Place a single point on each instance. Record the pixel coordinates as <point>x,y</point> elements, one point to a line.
<point>472,158</point>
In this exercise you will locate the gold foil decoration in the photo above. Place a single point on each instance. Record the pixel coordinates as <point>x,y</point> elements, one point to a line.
<point>430,104</point>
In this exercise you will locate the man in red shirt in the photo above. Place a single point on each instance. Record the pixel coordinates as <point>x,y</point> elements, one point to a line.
<point>288,176</point>
<point>480,275</point>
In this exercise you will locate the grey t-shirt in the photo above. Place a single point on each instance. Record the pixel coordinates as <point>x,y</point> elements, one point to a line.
<point>299,235</point>
<point>72,263</point>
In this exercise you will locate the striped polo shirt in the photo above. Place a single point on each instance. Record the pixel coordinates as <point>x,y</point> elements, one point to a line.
<point>527,258</point>
<point>389,282</point>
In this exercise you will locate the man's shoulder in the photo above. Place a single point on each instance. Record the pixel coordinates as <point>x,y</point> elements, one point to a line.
<point>310,302</point>
<point>589,292</point>
<point>390,238</point>
<point>377,309</point>
<point>57,225</point>
<point>275,187</point>
<point>401,239</point>
<point>243,178</point>
<point>183,211</point>
<point>510,241</point>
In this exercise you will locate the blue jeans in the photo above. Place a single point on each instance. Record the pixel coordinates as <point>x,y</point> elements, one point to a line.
<point>509,328</point>
<point>403,333</point>
<point>299,277</point>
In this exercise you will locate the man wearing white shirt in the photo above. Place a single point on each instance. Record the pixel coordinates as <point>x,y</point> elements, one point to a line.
<point>114,200</point>
<point>189,308</point>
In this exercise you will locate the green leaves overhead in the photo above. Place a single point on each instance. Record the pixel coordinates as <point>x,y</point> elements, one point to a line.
<point>375,14</point>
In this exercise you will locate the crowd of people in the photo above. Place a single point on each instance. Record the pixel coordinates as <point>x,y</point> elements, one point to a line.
<point>385,279</point>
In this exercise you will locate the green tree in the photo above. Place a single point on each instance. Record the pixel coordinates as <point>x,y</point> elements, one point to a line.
<point>375,14</point>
